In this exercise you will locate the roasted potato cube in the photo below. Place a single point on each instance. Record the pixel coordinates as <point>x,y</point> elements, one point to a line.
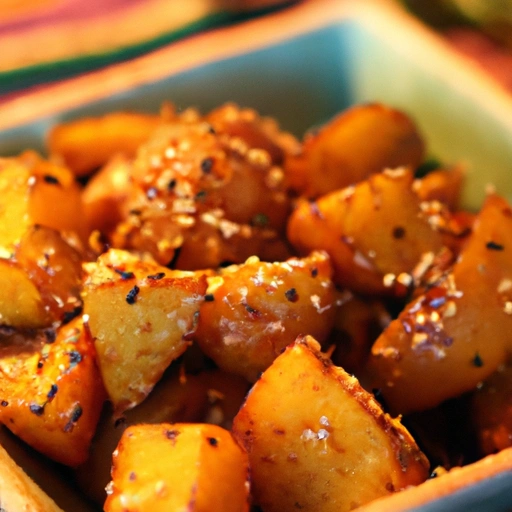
<point>28,310</point>
<point>33,191</point>
<point>454,335</point>
<point>105,194</point>
<point>209,397</point>
<point>212,397</point>
<point>193,188</point>
<point>19,492</point>
<point>51,391</point>
<point>443,185</point>
<point>86,144</point>
<point>139,315</point>
<point>166,467</point>
<point>372,236</point>
<point>256,131</point>
<point>317,440</point>
<point>44,275</point>
<point>253,311</point>
<point>358,142</point>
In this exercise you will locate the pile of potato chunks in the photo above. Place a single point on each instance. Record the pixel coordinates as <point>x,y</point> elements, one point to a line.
<point>211,315</point>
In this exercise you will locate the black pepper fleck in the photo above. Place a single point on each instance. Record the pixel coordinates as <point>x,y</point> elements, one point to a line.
<point>207,165</point>
<point>52,180</point>
<point>477,361</point>
<point>494,246</point>
<point>124,275</point>
<point>77,413</point>
<point>172,434</point>
<point>156,277</point>
<point>209,297</point>
<point>314,272</point>
<point>4,403</point>
<point>131,296</point>
<point>292,295</point>
<point>171,184</point>
<point>213,441</point>
<point>75,357</point>
<point>252,311</point>
<point>398,232</point>
<point>38,410</point>
<point>53,391</point>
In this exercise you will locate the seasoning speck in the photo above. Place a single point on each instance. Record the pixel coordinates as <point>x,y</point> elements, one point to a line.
<point>213,441</point>
<point>124,275</point>
<point>53,391</point>
<point>207,165</point>
<point>4,403</point>
<point>398,232</point>
<point>494,246</point>
<point>292,295</point>
<point>52,180</point>
<point>209,297</point>
<point>38,410</point>
<point>156,277</point>
<point>477,361</point>
<point>131,296</point>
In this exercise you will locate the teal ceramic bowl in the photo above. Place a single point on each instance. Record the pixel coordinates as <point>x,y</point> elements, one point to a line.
<point>324,57</point>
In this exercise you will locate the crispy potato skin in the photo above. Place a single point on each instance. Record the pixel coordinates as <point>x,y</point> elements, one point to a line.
<point>165,467</point>
<point>317,441</point>
<point>362,140</point>
<point>256,309</point>
<point>52,394</point>
<point>439,345</point>
<point>367,232</point>
<point>139,315</point>
<point>86,144</point>
<point>28,185</point>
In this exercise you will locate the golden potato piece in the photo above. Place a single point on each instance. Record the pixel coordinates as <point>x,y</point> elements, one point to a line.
<point>210,397</point>
<point>199,198</point>
<point>105,194</point>
<point>253,311</point>
<point>443,185</point>
<point>51,391</point>
<point>194,467</point>
<point>374,232</point>
<point>88,143</point>
<point>139,314</point>
<point>28,309</point>
<point>19,492</point>
<point>33,191</point>
<point>317,441</point>
<point>44,277</point>
<point>360,141</point>
<point>456,334</point>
